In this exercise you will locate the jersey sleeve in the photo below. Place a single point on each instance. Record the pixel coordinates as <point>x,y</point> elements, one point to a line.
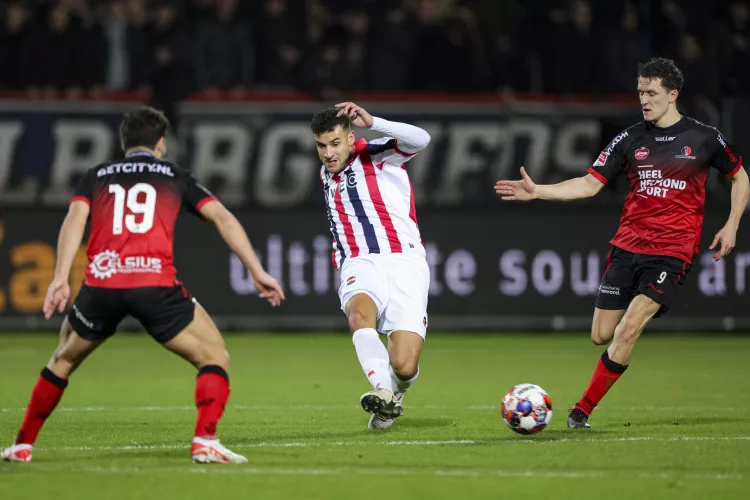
<point>195,195</point>
<point>385,150</point>
<point>610,162</point>
<point>723,157</point>
<point>84,189</point>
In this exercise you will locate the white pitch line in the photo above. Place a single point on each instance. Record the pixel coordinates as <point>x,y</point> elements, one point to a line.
<point>470,473</point>
<point>342,407</point>
<point>451,442</point>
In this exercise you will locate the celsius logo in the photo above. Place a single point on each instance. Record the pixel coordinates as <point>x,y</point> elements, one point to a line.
<point>108,263</point>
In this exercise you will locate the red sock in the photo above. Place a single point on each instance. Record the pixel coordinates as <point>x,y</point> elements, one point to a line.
<point>211,395</point>
<point>606,374</point>
<point>44,398</point>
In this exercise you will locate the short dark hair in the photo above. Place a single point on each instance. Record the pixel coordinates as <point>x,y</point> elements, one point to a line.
<point>664,69</point>
<point>143,127</point>
<point>326,120</point>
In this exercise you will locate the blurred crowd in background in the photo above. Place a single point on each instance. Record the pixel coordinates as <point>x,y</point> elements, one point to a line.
<point>329,47</point>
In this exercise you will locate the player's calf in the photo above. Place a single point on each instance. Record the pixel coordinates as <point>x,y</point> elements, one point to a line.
<point>405,349</point>
<point>640,312</point>
<point>614,361</point>
<point>201,344</point>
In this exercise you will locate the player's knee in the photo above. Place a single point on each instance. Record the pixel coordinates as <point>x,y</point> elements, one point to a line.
<point>215,355</point>
<point>600,337</point>
<point>404,367</point>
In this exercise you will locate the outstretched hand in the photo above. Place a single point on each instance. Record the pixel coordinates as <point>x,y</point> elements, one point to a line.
<point>522,190</point>
<point>726,238</point>
<point>57,297</point>
<point>358,116</point>
<point>269,289</point>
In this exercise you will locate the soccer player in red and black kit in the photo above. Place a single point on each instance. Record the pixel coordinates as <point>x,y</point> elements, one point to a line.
<point>666,158</point>
<point>134,204</point>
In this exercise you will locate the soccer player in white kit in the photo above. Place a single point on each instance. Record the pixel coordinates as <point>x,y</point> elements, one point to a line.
<point>377,247</point>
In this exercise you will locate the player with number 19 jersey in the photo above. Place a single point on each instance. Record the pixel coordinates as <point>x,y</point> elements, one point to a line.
<point>135,203</point>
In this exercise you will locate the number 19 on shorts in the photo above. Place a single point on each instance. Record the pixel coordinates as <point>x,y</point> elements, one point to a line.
<point>130,197</point>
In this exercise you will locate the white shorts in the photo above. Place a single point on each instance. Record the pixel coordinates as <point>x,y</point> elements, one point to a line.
<point>397,283</point>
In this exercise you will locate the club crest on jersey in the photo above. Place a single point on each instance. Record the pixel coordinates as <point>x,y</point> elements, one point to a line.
<point>108,263</point>
<point>601,160</point>
<point>641,153</point>
<point>685,153</point>
<point>351,180</point>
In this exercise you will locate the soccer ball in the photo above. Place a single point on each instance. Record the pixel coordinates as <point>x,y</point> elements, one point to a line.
<point>527,409</point>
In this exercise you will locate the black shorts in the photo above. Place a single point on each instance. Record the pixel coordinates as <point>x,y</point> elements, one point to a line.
<point>163,311</point>
<point>629,274</point>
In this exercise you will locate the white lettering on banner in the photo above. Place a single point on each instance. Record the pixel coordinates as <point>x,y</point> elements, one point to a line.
<point>323,274</point>
<point>297,259</point>
<point>10,132</point>
<point>535,134</point>
<point>271,160</point>
<point>71,158</point>
<point>223,150</point>
<point>472,144</point>
<point>712,278</point>
<point>321,264</point>
<point>460,270</point>
<point>547,272</point>
<point>566,151</point>
<point>300,172</point>
<point>434,259</point>
<point>741,262</point>
<point>308,270</point>
<point>588,285</point>
<point>514,276</point>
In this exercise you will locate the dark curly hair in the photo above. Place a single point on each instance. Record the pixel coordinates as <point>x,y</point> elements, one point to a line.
<point>326,120</point>
<point>664,69</point>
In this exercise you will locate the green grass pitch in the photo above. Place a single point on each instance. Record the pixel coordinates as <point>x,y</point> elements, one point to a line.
<point>675,426</point>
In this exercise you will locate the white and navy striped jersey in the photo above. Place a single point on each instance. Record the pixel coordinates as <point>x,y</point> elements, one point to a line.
<point>370,203</point>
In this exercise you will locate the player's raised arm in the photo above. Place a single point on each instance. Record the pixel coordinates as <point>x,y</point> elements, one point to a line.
<point>236,238</point>
<point>608,165</point>
<point>525,189</point>
<point>410,139</point>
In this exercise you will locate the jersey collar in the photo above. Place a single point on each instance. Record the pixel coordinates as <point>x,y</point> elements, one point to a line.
<point>668,130</point>
<point>359,146</point>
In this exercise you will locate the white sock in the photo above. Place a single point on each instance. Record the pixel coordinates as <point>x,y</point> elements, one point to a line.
<point>401,386</point>
<point>373,356</point>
